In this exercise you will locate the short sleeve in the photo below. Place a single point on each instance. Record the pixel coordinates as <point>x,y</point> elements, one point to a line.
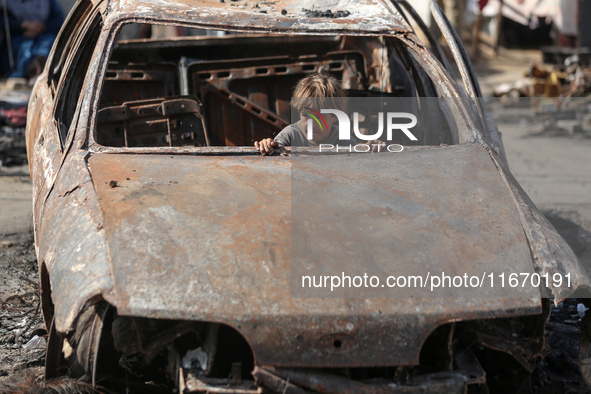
<point>285,136</point>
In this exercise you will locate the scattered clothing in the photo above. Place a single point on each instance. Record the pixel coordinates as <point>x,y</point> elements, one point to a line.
<point>16,117</point>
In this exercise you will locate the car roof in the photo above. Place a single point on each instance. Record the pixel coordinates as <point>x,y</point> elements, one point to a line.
<point>325,16</point>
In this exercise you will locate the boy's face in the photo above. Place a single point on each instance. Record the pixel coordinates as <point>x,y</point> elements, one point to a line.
<point>319,133</point>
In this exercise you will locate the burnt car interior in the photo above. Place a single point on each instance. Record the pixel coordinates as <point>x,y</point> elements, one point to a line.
<point>234,89</point>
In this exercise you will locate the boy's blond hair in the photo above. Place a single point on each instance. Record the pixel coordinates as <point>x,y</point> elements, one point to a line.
<point>319,90</point>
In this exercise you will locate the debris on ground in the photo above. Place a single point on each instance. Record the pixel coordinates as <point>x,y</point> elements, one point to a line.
<point>545,116</point>
<point>571,79</point>
<point>36,344</point>
<point>537,82</point>
<point>14,98</point>
<point>34,384</point>
<point>559,371</point>
<point>20,309</point>
<point>15,117</point>
<point>559,55</point>
<point>580,83</point>
<point>13,149</point>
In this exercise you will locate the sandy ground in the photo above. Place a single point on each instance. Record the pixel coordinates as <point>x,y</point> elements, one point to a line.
<point>16,213</point>
<point>552,166</point>
<point>554,170</point>
<point>508,66</point>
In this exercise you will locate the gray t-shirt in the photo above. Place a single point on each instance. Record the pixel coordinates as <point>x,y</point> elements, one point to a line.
<point>293,136</point>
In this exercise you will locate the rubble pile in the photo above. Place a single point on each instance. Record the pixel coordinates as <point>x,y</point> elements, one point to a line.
<point>22,333</point>
<point>581,83</point>
<point>13,116</point>
<point>559,95</point>
<point>573,79</point>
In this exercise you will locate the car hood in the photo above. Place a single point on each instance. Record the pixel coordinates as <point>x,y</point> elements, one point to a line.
<point>210,238</point>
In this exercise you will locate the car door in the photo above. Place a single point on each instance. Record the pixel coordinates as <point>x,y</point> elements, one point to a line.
<point>54,100</point>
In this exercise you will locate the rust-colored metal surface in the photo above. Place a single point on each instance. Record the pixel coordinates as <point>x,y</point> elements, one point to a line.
<point>318,382</point>
<point>462,60</point>
<point>377,16</point>
<point>129,82</point>
<point>73,247</point>
<point>551,253</point>
<point>209,238</point>
<point>441,210</point>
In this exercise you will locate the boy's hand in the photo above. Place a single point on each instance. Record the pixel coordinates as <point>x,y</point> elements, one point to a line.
<point>266,146</point>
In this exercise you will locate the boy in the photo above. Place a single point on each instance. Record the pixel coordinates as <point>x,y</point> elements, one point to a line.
<point>316,90</point>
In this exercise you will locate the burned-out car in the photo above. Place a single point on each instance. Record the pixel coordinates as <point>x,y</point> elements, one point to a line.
<point>167,244</point>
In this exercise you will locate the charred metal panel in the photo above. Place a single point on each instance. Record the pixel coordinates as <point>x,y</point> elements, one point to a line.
<point>33,120</point>
<point>374,16</point>
<point>133,82</point>
<point>443,209</point>
<point>465,116</point>
<point>209,239</point>
<point>321,382</point>
<point>219,48</point>
<point>72,243</point>
<point>174,121</point>
<point>551,253</point>
<point>472,88</point>
<point>237,121</point>
<point>44,152</point>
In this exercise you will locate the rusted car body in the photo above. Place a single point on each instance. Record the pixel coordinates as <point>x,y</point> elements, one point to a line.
<point>156,241</point>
